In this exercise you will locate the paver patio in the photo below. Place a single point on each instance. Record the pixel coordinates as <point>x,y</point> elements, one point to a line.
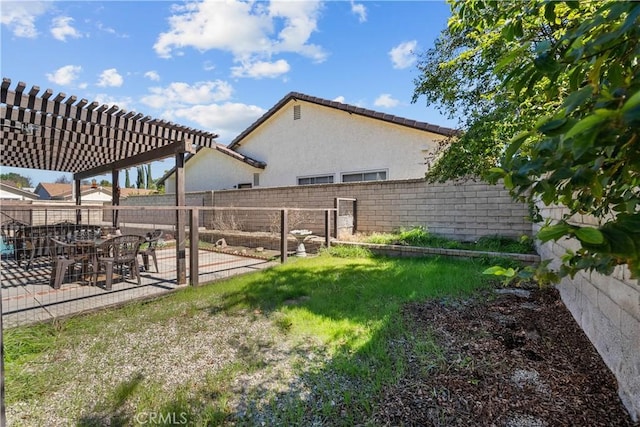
<point>28,298</point>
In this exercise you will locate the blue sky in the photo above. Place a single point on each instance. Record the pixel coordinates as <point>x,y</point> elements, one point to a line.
<point>219,65</point>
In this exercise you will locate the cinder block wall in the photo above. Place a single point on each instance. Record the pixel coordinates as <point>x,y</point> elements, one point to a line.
<point>607,308</point>
<point>465,211</point>
<point>158,217</point>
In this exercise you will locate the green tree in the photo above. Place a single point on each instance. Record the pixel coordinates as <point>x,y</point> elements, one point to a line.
<point>127,180</point>
<point>20,180</point>
<point>105,183</point>
<point>150,183</point>
<point>63,179</point>
<point>140,177</point>
<point>570,73</point>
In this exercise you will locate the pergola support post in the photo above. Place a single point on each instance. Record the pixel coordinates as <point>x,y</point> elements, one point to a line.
<point>181,264</point>
<point>194,257</point>
<point>115,196</point>
<point>284,233</point>
<point>76,189</point>
<point>327,228</point>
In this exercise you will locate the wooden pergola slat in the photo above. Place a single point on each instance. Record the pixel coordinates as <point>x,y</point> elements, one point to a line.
<point>77,136</point>
<point>60,133</point>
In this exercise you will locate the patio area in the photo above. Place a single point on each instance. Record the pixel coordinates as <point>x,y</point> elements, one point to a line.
<point>28,298</point>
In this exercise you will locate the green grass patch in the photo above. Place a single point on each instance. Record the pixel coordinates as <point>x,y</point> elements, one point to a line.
<point>419,236</point>
<point>339,315</point>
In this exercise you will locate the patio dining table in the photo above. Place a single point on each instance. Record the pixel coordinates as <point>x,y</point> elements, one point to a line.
<point>86,252</point>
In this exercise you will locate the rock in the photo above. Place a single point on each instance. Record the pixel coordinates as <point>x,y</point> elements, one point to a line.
<point>517,292</point>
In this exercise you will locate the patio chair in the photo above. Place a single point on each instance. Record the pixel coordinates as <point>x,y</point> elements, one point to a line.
<point>9,233</point>
<point>152,240</point>
<point>117,254</point>
<point>69,255</point>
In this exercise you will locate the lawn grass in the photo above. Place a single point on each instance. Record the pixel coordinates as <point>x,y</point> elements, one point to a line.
<point>419,236</point>
<point>334,321</point>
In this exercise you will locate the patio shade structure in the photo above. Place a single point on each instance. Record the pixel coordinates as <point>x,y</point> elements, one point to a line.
<point>60,133</point>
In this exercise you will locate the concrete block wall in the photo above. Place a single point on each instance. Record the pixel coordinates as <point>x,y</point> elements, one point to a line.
<point>464,211</point>
<point>159,217</point>
<point>607,308</point>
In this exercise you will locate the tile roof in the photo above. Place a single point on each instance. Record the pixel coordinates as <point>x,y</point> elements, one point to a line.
<point>344,107</point>
<point>61,191</point>
<point>13,187</point>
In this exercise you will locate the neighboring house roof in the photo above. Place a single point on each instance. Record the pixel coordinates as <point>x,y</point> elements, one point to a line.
<point>344,107</point>
<point>224,150</point>
<point>11,187</point>
<point>246,159</point>
<point>64,191</point>
<point>53,189</point>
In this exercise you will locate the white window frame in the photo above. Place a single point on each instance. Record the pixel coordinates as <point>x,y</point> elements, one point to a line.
<point>313,177</point>
<point>364,173</point>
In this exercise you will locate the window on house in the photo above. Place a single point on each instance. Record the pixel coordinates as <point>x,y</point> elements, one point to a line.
<point>310,180</point>
<point>296,112</point>
<point>364,176</point>
<point>256,179</point>
<point>244,185</point>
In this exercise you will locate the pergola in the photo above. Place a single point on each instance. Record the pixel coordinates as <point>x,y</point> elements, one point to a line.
<point>59,133</point>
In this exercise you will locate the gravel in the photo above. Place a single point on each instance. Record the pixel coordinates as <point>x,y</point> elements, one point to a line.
<point>168,356</point>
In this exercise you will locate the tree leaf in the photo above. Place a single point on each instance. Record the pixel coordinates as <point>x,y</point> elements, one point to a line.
<point>549,12</point>
<point>589,235</point>
<point>551,125</point>
<point>584,125</point>
<point>577,98</point>
<point>516,143</point>
<point>621,243</point>
<point>553,232</point>
<point>495,270</point>
<point>632,102</point>
<point>629,222</point>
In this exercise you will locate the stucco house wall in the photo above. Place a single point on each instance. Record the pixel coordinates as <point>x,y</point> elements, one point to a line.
<point>306,137</point>
<point>210,169</point>
<point>96,196</point>
<point>9,192</point>
<point>325,141</point>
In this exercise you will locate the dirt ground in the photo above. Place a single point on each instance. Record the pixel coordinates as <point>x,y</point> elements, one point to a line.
<point>503,360</point>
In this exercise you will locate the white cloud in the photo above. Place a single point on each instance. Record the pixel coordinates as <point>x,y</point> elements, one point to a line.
<point>227,120</point>
<point>252,31</point>
<point>110,78</point>
<point>403,55</point>
<point>65,76</point>
<point>385,100</point>
<point>260,69</point>
<point>152,75</point>
<point>182,94</point>
<point>110,30</point>
<point>61,28</point>
<point>20,16</point>
<point>360,10</point>
<point>339,99</point>
<point>122,103</point>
